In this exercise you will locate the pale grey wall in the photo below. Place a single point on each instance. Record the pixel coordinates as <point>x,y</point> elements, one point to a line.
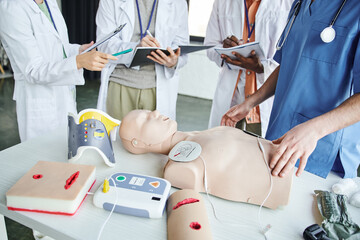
<point>198,78</point>
<point>59,3</point>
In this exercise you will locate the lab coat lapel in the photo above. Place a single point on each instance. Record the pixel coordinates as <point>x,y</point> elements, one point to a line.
<point>259,15</point>
<point>164,12</point>
<point>127,15</point>
<point>233,8</point>
<point>59,21</point>
<point>48,24</point>
<point>33,6</point>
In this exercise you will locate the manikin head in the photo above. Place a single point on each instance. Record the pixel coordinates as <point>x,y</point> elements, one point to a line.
<point>143,131</point>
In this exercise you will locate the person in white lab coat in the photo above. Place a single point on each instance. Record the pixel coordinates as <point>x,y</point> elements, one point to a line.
<point>167,21</point>
<point>228,18</point>
<point>46,66</point>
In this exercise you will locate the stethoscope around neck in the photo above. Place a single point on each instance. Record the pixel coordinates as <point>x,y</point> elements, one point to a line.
<point>327,35</point>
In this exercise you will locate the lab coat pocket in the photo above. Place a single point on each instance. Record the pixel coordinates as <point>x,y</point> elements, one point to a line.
<point>318,50</point>
<point>324,146</point>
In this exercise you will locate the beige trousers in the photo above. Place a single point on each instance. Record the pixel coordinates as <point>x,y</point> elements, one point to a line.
<point>121,100</point>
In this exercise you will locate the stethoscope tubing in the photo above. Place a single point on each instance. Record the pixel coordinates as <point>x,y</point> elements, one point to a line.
<point>338,13</point>
<point>297,7</point>
<point>292,18</point>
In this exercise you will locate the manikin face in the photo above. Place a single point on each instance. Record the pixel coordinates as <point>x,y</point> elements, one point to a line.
<point>146,126</point>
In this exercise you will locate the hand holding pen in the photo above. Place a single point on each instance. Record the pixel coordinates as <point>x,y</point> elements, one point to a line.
<point>93,60</point>
<point>230,41</point>
<point>160,57</point>
<point>149,41</point>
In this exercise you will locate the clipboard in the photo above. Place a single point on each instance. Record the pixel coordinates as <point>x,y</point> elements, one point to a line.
<point>185,49</point>
<point>107,37</point>
<point>141,53</point>
<point>244,49</point>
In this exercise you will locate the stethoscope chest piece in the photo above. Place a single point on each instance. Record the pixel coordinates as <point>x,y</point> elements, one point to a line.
<point>328,34</point>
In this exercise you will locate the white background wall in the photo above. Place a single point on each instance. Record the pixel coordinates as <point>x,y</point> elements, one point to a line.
<point>198,78</point>
<point>199,14</point>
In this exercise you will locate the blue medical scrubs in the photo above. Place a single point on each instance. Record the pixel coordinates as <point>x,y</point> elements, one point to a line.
<point>316,77</point>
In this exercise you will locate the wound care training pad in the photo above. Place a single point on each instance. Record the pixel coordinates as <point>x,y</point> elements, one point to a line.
<point>51,187</point>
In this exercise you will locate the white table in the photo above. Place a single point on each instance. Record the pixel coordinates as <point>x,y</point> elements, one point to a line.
<point>287,223</point>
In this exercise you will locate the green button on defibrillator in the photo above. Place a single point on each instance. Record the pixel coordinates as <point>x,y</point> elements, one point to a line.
<point>121,178</point>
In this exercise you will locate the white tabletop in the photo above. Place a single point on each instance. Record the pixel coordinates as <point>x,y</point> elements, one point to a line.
<point>238,220</point>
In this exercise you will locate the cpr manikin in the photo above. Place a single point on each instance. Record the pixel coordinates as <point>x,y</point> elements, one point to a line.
<point>235,166</point>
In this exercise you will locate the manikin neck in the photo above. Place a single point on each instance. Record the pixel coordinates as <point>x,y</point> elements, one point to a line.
<point>166,146</point>
<point>178,137</point>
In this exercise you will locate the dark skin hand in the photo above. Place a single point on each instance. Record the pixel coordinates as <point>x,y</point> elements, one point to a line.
<point>252,62</point>
<point>231,41</point>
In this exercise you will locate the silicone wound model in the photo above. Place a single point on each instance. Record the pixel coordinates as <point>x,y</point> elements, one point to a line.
<point>195,225</point>
<point>37,176</point>
<point>70,181</point>
<point>185,201</point>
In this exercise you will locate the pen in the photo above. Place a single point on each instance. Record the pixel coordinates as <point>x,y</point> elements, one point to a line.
<point>122,52</point>
<point>222,64</point>
<point>149,33</point>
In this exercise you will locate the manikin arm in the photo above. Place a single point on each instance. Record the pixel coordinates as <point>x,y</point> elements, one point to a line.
<point>187,218</point>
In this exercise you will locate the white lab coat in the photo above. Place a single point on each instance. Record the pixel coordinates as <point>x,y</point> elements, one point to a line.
<point>227,18</point>
<point>171,29</point>
<point>44,80</point>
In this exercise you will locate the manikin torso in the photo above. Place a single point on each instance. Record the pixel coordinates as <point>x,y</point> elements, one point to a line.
<point>235,166</point>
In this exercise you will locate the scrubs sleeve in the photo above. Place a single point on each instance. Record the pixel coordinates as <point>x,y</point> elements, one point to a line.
<point>356,69</point>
